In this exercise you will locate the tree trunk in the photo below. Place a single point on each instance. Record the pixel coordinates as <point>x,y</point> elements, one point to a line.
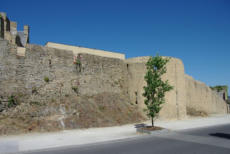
<point>152,122</point>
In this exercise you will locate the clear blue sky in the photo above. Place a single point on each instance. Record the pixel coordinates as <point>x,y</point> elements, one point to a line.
<point>196,31</point>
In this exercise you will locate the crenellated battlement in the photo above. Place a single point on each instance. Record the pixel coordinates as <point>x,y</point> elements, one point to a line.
<point>8,31</point>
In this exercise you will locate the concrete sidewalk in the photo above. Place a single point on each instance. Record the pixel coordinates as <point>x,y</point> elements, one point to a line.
<point>36,141</point>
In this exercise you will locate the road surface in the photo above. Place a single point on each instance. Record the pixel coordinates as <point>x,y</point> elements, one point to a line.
<point>215,139</point>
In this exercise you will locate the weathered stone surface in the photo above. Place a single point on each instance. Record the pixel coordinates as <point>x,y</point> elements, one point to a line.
<point>53,92</point>
<point>200,97</point>
<point>188,95</point>
<point>174,108</point>
<point>76,50</point>
<point>93,97</point>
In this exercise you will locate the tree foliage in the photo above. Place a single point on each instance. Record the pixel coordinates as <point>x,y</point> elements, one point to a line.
<point>219,88</point>
<point>156,88</point>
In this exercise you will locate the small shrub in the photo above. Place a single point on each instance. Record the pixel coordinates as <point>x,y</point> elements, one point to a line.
<point>34,103</point>
<point>46,79</point>
<point>116,82</point>
<point>75,89</point>
<point>194,112</point>
<point>34,90</point>
<point>53,100</point>
<point>77,62</point>
<point>66,95</point>
<point>101,108</point>
<point>11,101</point>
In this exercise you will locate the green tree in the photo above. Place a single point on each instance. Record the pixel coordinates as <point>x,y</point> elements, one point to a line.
<point>156,88</point>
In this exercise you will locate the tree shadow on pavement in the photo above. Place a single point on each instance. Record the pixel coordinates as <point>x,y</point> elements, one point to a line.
<point>221,135</point>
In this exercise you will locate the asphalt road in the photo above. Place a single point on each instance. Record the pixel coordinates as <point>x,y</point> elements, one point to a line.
<point>201,141</point>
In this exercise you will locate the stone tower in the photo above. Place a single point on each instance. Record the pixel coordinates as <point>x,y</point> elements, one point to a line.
<point>8,31</point>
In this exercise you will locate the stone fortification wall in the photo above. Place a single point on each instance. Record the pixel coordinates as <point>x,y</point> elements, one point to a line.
<point>51,92</point>
<point>188,97</point>
<point>200,97</point>
<point>174,108</point>
<point>43,89</point>
<point>76,50</point>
